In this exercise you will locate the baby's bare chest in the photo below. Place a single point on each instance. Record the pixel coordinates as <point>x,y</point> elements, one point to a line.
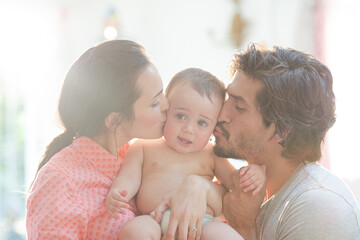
<point>175,164</point>
<point>163,173</point>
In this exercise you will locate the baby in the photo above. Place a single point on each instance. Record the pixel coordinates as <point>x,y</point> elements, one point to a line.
<point>153,168</point>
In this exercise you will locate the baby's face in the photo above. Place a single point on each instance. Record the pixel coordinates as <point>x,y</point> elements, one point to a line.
<point>191,119</point>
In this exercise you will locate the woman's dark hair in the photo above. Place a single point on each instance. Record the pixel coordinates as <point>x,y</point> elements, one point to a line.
<point>297,97</point>
<point>101,81</point>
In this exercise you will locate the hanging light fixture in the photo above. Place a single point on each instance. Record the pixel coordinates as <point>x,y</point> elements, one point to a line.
<point>111,30</point>
<point>238,26</point>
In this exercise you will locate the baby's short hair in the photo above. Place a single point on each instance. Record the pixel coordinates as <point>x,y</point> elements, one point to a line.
<point>201,81</point>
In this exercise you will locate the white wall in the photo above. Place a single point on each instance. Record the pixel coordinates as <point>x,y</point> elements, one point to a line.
<point>177,34</point>
<point>40,39</point>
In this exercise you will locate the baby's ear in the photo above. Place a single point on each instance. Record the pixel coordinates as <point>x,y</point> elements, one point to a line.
<point>112,120</point>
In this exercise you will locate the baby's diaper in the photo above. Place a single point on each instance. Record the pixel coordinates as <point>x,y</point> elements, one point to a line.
<point>166,217</point>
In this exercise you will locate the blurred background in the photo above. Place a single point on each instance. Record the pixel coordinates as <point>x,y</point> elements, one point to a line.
<point>40,39</point>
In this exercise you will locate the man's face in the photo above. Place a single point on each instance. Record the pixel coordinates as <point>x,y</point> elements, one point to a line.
<point>240,132</point>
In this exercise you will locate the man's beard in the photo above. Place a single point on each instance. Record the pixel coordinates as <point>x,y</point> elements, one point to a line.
<point>226,150</point>
<point>240,148</point>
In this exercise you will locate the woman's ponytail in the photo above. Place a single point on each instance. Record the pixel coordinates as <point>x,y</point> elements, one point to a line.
<point>57,144</point>
<point>102,81</point>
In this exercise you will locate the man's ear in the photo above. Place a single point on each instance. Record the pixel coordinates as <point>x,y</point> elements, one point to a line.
<point>280,139</point>
<point>112,120</point>
<point>277,138</point>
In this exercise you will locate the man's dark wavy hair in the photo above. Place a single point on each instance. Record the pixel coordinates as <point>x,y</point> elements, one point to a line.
<point>297,97</point>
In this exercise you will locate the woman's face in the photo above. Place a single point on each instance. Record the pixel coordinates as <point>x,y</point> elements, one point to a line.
<point>150,108</point>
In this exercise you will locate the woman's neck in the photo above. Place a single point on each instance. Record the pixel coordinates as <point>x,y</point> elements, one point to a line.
<point>111,142</point>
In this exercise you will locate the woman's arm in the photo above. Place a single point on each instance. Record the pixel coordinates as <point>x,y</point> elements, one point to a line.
<point>188,206</point>
<point>52,210</point>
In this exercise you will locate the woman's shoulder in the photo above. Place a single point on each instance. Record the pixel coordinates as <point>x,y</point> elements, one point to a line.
<point>63,163</point>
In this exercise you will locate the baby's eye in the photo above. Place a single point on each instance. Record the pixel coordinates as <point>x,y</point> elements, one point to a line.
<point>180,116</point>
<point>202,123</point>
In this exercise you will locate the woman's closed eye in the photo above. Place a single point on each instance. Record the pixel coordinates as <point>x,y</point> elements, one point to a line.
<point>155,105</point>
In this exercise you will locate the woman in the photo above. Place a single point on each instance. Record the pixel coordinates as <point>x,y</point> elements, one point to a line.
<point>111,94</point>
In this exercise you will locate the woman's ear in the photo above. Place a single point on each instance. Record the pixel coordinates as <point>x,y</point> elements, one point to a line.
<point>112,120</point>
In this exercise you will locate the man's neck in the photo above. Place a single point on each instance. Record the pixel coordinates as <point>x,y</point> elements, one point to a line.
<point>278,172</point>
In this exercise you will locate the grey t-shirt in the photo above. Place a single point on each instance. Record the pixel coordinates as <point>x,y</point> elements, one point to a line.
<point>313,204</point>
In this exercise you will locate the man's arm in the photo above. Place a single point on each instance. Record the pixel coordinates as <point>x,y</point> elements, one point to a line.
<point>241,209</point>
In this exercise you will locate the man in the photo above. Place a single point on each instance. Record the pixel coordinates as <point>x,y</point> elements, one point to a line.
<point>280,106</point>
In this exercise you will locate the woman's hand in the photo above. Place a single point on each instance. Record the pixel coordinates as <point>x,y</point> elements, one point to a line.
<point>188,206</point>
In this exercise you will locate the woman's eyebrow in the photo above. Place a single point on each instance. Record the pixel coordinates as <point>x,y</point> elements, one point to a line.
<point>157,94</point>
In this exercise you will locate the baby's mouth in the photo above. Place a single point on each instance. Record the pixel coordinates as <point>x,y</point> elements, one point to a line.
<point>184,140</point>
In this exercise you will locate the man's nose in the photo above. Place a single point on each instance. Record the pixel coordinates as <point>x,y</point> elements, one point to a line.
<point>225,113</point>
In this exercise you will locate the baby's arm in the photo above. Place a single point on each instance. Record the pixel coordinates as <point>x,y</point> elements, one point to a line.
<point>223,171</point>
<point>127,183</point>
<point>252,178</point>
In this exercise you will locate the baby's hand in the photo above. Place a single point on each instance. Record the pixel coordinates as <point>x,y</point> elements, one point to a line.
<point>252,178</point>
<point>115,202</point>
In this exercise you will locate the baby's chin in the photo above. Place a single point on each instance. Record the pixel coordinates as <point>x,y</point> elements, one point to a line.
<point>184,150</point>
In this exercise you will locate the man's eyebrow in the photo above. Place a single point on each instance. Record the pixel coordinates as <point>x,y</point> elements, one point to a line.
<point>239,98</point>
<point>157,94</point>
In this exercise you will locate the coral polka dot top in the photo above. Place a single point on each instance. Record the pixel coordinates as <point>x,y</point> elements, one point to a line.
<point>67,198</point>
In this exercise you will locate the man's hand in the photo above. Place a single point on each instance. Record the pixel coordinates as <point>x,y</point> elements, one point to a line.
<point>241,208</point>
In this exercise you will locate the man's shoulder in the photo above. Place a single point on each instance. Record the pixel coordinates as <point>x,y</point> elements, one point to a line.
<point>314,201</point>
<point>315,176</point>
<point>332,212</point>
<point>321,194</point>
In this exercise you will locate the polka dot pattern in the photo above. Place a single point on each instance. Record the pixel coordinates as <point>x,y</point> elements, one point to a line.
<point>67,199</point>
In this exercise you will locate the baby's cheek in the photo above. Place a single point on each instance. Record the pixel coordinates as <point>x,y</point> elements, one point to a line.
<point>168,130</point>
<point>202,140</point>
